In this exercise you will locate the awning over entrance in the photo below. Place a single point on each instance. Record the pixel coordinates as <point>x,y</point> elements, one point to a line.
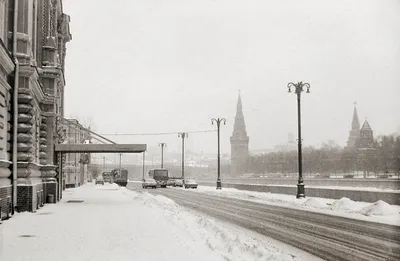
<point>100,148</point>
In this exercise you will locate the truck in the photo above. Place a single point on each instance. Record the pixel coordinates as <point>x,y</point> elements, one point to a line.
<point>160,176</point>
<point>108,177</point>
<point>120,176</point>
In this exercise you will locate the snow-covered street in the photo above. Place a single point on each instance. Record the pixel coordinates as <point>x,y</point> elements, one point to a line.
<point>379,211</point>
<point>114,223</point>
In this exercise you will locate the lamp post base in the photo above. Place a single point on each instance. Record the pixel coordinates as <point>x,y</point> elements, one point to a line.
<point>300,191</point>
<point>219,184</point>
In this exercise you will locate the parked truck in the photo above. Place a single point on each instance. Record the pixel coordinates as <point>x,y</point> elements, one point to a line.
<point>108,177</point>
<point>160,176</point>
<point>120,176</point>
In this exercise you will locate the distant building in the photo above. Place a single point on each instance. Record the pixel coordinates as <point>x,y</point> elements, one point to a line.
<point>354,133</point>
<point>359,137</point>
<point>366,152</point>
<point>75,165</point>
<point>361,144</point>
<point>239,143</point>
<point>366,139</point>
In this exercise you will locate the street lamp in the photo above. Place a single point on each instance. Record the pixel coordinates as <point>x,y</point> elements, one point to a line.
<point>183,135</point>
<point>162,145</point>
<point>218,122</point>
<point>298,89</point>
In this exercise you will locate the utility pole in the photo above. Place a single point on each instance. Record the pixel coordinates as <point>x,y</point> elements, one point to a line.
<point>298,89</point>
<point>104,164</point>
<point>120,158</point>
<point>144,158</point>
<point>162,145</point>
<point>218,122</point>
<point>183,135</point>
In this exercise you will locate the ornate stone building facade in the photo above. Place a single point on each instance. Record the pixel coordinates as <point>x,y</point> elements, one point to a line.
<point>239,143</point>
<point>35,32</point>
<point>7,67</point>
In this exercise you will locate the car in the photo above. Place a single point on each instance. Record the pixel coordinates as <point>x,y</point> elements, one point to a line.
<point>99,181</point>
<point>178,183</point>
<point>149,183</point>
<point>190,183</point>
<point>171,182</point>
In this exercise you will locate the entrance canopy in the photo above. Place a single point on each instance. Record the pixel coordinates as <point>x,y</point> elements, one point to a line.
<point>100,148</point>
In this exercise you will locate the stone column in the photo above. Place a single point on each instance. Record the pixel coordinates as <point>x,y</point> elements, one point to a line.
<point>48,171</point>
<point>29,181</point>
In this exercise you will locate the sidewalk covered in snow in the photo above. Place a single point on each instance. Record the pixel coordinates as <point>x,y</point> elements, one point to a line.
<point>113,223</point>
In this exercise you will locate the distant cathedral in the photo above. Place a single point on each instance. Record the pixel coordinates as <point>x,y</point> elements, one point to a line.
<point>239,143</point>
<point>360,138</point>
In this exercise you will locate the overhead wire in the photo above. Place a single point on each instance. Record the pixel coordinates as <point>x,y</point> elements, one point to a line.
<point>155,133</point>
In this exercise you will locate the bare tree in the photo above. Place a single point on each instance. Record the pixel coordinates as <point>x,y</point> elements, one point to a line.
<point>95,170</point>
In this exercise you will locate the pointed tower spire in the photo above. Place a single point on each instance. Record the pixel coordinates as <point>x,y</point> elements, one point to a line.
<point>354,133</point>
<point>366,126</point>
<point>239,142</point>
<point>355,124</point>
<point>366,136</point>
<point>239,128</point>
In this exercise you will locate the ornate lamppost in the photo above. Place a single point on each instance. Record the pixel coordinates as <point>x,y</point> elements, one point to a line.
<point>298,89</point>
<point>218,122</point>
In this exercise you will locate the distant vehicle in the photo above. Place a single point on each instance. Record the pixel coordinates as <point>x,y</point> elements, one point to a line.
<point>149,183</point>
<point>178,183</point>
<point>99,180</point>
<point>160,176</point>
<point>190,183</point>
<point>171,182</point>
<point>120,176</point>
<point>108,177</point>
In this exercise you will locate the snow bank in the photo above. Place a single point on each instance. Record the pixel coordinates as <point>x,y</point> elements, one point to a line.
<point>379,208</point>
<point>315,203</point>
<point>227,241</point>
<point>345,204</point>
<point>342,207</point>
<point>234,246</point>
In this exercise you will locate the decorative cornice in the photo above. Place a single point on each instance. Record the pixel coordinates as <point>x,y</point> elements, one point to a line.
<point>36,87</point>
<point>51,71</point>
<point>26,70</point>
<point>48,167</point>
<point>48,99</point>
<point>30,165</point>
<point>49,114</point>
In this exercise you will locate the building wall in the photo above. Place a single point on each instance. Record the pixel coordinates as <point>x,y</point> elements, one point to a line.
<point>42,33</point>
<point>7,67</point>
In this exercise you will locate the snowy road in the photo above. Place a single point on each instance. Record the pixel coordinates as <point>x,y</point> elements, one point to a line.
<point>329,237</point>
<point>111,223</point>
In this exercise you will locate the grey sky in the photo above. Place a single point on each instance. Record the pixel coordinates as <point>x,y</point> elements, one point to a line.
<point>165,66</point>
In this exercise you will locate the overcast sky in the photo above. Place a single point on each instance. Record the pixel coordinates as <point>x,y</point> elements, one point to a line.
<point>147,66</point>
